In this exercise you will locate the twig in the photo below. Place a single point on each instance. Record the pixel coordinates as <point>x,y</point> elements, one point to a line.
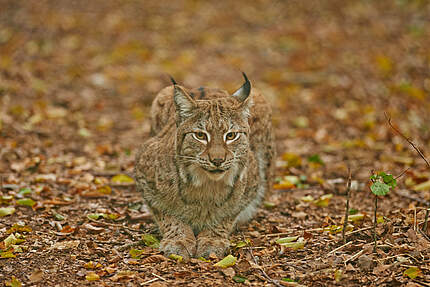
<point>402,173</point>
<point>374,224</point>
<point>358,230</point>
<point>354,256</point>
<point>273,281</point>
<point>150,281</point>
<point>407,139</point>
<point>340,247</point>
<point>421,155</point>
<point>159,277</point>
<point>348,190</point>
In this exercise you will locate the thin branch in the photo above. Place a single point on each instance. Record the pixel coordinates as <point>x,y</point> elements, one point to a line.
<point>420,154</point>
<point>403,172</point>
<point>348,191</point>
<point>375,220</point>
<point>273,281</point>
<point>407,139</point>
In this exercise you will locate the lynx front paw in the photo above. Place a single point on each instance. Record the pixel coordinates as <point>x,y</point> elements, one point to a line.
<point>207,245</point>
<point>184,247</point>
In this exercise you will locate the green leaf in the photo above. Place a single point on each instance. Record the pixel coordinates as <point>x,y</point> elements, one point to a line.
<point>268,204</point>
<point>136,253</point>
<point>287,239</point>
<point>294,179</point>
<point>26,201</point>
<point>5,199</point>
<point>353,211</point>
<point>18,228</point>
<point>10,240</point>
<point>104,189</point>
<point>151,241</point>
<point>203,259</point>
<point>4,211</point>
<point>389,179</point>
<point>96,216</point>
<point>14,282</point>
<point>7,254</point>
<point>241,244</point>
<point>227,261</point>
<point>24,191</point>
<point>58,216</point>
<point>300,244</point>
<point>177,258</point>
<point>288,279</point>
<point>412,272</point>
<point>356,217</point>
<point>380,188</point>
<point>316,159</point>
<point>324,200</point>
<point>338,275</point>
<point>239,279</point>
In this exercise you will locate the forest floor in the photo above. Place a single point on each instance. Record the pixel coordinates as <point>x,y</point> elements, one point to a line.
<point>76,82</point>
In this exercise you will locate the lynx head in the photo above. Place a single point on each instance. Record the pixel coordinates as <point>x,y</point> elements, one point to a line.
<point>212,135</point>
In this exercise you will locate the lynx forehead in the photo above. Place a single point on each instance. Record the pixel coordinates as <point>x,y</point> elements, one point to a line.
<point>207,165</point>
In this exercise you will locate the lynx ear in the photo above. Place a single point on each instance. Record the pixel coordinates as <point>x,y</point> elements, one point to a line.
<point>243,92</point>
<point>183,102</point>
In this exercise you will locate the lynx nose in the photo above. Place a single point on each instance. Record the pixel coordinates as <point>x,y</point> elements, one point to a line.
<point>217,161</point>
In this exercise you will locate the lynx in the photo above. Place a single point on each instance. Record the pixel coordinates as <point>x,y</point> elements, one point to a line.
<point>206,167</point>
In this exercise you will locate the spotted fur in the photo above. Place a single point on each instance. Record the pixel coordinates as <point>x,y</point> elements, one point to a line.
<point>198,190</point>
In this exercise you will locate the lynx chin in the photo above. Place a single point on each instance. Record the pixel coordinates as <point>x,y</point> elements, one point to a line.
<point>207,165</point>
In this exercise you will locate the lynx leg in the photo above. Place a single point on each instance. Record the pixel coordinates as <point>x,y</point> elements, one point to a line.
<point>178,237</point>
<point>214,240</point>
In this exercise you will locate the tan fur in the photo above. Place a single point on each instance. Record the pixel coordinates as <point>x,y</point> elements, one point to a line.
<point>195,203</point>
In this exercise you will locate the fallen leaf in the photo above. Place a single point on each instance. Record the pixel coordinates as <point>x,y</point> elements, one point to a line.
<point>324,200</point>
<point>92,276</point>
<point>356,217</point>
<point>227,261</point>
<point>36,276</point>
<point>14,282</point>
<point>7,254</point>
<point>4,211</point>
<point>62,245</point>
<point>122,178</point>
<point>136,253</point>
<point>413,272</point>
<point>177,258</point>
<point>287,239</point>
<point>299,244</point>
<point>151,241</point>
<point>10,240</point>
<point>26,201</point>
<point>422,186</point>
<point>239,279</point>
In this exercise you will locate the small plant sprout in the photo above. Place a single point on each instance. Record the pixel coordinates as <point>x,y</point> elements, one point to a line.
<point>381,185</point>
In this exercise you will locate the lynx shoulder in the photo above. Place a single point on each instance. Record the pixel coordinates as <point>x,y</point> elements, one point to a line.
<point>207,165</point>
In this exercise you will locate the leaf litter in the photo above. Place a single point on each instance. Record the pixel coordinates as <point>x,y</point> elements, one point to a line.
<point>75,89</point>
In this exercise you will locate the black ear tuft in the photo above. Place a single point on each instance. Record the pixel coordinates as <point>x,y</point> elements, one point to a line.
<point>243,92</point>
<point>183,102</point>
<point>172,80</point>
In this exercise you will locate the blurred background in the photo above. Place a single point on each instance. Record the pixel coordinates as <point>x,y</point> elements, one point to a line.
<point>77,77</point>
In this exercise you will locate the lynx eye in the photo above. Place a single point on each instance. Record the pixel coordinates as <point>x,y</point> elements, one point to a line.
<point>231,136</point>
<point>200,136</point>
